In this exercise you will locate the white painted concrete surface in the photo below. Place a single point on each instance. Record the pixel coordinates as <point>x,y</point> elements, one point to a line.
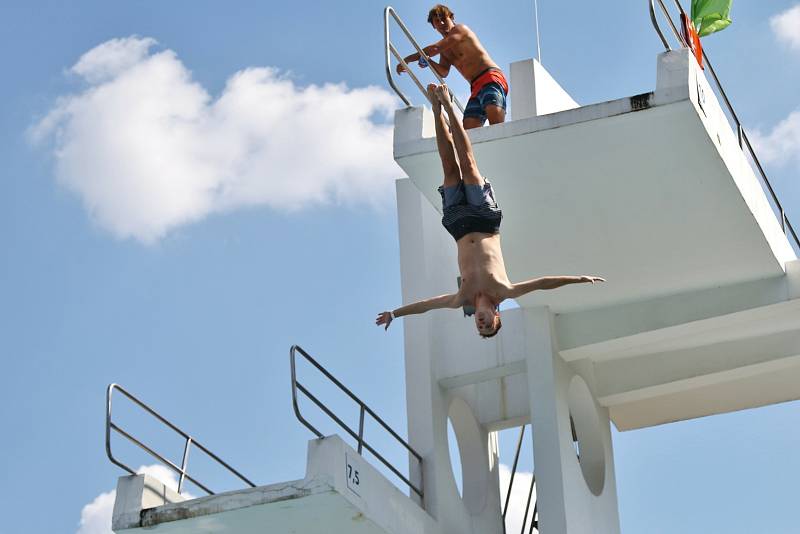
<point>568,501</point>
<point>535,91</point>
<point>697,318</point>
<point>136,493</point>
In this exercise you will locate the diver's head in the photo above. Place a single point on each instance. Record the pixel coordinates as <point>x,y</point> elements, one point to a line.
<point>487,317</point>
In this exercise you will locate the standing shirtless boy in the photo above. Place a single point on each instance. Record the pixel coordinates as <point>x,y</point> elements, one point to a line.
<point>461,48</point>
<point>471,215</point>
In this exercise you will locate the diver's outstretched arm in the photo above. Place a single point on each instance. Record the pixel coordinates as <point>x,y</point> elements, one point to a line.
<point>549,282</point>
<point>442,301</point>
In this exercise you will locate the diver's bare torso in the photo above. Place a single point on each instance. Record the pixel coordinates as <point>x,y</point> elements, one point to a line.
<point>480,261</point>
<point>468,56</point>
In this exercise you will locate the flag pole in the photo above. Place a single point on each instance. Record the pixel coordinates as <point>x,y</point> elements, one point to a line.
<point>536,19</point>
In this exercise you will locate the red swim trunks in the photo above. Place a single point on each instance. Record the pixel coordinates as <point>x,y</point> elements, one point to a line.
<point>492,74</point>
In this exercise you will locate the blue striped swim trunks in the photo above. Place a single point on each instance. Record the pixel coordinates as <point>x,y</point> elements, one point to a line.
<point>468,208</point>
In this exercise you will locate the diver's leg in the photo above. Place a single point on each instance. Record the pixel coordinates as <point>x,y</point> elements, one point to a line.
<point>444,142</point>
<point>466,159</point>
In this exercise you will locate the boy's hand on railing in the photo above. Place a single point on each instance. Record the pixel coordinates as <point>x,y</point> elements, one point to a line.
<point>384,318</point>
<point>400,68</point>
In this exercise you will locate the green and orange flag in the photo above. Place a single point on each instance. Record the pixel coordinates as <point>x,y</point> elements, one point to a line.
<point>711,16</point>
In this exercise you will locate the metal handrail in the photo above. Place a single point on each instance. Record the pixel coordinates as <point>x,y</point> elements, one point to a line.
<point>390,49</point>
<point>513,471</point>
<point>182,470</point>
<point>534,520</point>
<point>363,410</point>
<point>744,141</point>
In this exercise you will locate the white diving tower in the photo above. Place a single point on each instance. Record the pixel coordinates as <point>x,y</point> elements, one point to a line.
<point>699,316</point>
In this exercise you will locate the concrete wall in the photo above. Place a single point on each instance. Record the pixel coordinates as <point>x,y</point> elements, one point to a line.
<point>678,72</point>
<point>366,488</point>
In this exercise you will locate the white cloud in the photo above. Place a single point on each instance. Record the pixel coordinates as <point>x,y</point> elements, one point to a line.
<point>782,144</point>
<point>147,149</point>
<point>96,516</point>
<point>786,26</point>
<point>519,497</point>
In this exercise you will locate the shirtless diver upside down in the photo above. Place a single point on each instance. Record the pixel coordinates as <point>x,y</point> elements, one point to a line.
<point>472,216</point>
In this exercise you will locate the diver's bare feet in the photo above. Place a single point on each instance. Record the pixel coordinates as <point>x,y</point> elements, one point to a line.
<point>435,104</point>
<point>443,96</point>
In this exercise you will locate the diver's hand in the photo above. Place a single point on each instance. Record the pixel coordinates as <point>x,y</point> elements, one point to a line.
<point>400,68</point>
<point>591,279</point>
<point>384,318</point>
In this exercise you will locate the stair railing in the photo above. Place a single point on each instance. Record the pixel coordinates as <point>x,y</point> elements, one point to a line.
<point>190,442</point>
<point>535,515</point>
<point>364,410</point>
<point>390,50</point>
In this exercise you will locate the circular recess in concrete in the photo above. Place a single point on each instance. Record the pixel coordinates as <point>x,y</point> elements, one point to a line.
<point>590,448</point>
<point>474,455</point>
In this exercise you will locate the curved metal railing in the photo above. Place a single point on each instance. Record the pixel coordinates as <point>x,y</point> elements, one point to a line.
<point>363,410</point>
<point>182,470</point>
<point>391,50</point>
<point>744,141</point>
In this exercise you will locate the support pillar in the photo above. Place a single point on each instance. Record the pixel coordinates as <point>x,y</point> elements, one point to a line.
<point>575,496</point>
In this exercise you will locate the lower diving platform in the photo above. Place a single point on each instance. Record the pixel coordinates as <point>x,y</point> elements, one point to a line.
<point>341,492</point>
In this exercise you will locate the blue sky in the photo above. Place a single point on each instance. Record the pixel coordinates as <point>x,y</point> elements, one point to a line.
<point>186,277</point>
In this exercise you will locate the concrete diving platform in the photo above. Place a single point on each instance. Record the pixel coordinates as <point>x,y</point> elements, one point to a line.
<point>651,192</point>
<point>699,315</point>
<point>341,492</point>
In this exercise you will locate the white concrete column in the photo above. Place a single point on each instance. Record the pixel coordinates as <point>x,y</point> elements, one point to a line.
<point>574,496</point>
<point>533,91</point>
<point>412,124</point>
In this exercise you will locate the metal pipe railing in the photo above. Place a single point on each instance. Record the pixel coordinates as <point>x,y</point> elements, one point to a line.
<point>513,472</point>
<point>534,521</point>
<point>363,411</point>
<point>190,441</point>
<point>744,141</point>
<point>390,49</point>
<point>528,506</point>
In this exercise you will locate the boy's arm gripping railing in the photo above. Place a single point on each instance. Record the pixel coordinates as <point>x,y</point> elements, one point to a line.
<point>391,50</point>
